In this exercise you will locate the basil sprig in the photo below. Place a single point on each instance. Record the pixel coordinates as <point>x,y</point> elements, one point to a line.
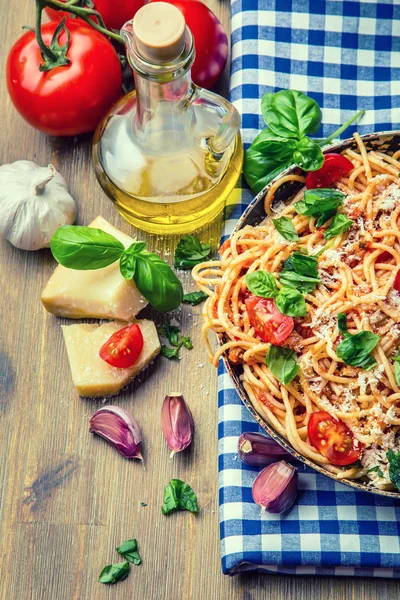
<point>321,203</point>
<point>396,359</point>
<point>394,467</point>
<point>282,362</point>
<point>355,350</point>
<point>173,334</point>
<point>290,116</point>
<point>178,495</point>
<point>288,301</point>
<point>114,573</point>
<point>194,298</point>
<point>340,224</point>
<point>84,248</point>
<point>285,227</point>
<point>300,272</point>
<point>129,550</point>
<point>190,252</point>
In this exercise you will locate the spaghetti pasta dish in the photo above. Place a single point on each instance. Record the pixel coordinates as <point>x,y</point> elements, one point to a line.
<point>308,303</point>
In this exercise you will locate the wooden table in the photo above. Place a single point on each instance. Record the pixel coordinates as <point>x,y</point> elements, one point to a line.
<point>66,498</point>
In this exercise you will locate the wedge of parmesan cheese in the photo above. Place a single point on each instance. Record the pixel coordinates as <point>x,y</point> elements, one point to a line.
<point>102,293</point>
<point>91,375</point>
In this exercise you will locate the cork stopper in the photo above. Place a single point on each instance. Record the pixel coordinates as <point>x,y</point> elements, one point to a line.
<point>159,30</point>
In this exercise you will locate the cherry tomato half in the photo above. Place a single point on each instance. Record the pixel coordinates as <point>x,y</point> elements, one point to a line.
<point>333,439</point>
<point>114,12</point>
<point>396,283</point>
<point>210,41</point>
<point>70,99</point>
<point>334,167</point>
<point>123,348</point>
<point>384,256</point>
<point>269,324</point>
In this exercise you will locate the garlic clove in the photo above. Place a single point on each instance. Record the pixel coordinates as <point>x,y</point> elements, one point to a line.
<point>177,422</point>
<point>275,488</point>
<point>258,450</point>
<point>119,429</point>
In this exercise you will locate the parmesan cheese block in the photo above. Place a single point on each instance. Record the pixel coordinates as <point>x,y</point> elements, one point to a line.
<point>101,293</point>
<point>91,375</point>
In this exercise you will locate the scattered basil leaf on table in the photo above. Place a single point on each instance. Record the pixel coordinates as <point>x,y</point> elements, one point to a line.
<point>178,495</point>
<point>261,283</point>
<point>355,350</point>
<point>394,467</point>
<point>170,352</point>
<point>282,362</point>
<point>172,334</point>
<point>285,227</point>
<point>85,248</point>
<point>397,367</point>
<point>194,298</point>
<point>376,469</point>
<point>339,225</point>
<point>291,302</point>
<point>143,504</point>
<point>129,550</point>
<point>300,272</point>
<point>321,203</point>
<point>114,573</point>
<point>190,252</point>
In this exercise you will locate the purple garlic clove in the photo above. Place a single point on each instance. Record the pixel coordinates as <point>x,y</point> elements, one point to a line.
<point>275,488</point>
<point>258,450</point>
<point>176,422</point>
<point>119,429</point>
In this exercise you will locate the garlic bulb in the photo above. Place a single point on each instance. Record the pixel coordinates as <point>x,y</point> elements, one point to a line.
<point>34,202</point>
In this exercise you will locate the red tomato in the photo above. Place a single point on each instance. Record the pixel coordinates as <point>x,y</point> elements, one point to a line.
<point>123,348</point>
<point>384,256</point>
<point>334,167</point>
<point>210,41</point>
<point>70,99</point>
<point>396,283</point>
<point>269,324</point>
<point>114,12</point>
<point>333,439</point>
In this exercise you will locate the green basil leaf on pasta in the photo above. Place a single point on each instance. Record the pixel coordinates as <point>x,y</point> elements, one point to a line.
<point>397,367</point>
<point>285,227</point>
<point>300,271</point>
<point>394,467</point>
<point>320,203</point>
<point>355,350</point>
<point>342,324</point>
<point>291,302</point>
<point>339,225</point>
<point>282,362</point>
<point>262,283</point>
<point>376,469</point>
<point>85,248</point>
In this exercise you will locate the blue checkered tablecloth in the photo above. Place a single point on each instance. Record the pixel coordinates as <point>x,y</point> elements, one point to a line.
<point>346,55</point>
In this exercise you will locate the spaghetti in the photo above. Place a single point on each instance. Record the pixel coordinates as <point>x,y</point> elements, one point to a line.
<point>357,270</point>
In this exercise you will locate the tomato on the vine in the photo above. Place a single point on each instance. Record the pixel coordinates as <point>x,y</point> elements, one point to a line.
<point>210,41</point>
<point>114,12</point>
<point>269,324</point>
<point>124,347</point>
<point>333,168</point>
<point>69,99</point>
<point>333,439</point>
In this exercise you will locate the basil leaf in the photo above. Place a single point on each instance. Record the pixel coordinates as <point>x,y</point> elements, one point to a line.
<point>321,203</point>
<point>280,147</point>
<point>262,283</point>
<point>260,168</point>
<point>339,224</point>
<point>187,342</point>
<point>285,227</point>
<point>85,248</point>
<point>394,467</point>
<point>114,573</point>
<point>355,350</point>
<point>190,252</point>
<point>282,362</point>
<point>342,324</point>
<point>136,248</point>
<point>157,282</point>
<point>291,302</point>
<point>376,469</point>
<point>129,550</point>
<point>178,495</point>
<point>290,114</point>
<point>194,298</point>
<point>300,271</point>
<point>170,332</point>
<point>127,265</point>
<point>170,352</point>
<point>308,155</point>
<point>397,367</point>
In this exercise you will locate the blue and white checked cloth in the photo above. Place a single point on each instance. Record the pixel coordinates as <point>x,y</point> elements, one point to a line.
<point>346,55</point>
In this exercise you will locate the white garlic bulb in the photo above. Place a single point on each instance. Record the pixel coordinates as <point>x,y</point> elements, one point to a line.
<point>34,202</point>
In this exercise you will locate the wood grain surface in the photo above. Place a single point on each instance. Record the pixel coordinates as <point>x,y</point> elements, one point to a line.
<point>66,498</point>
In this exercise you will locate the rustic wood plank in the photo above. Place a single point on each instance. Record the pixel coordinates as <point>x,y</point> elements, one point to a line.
<point>66,498</point>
